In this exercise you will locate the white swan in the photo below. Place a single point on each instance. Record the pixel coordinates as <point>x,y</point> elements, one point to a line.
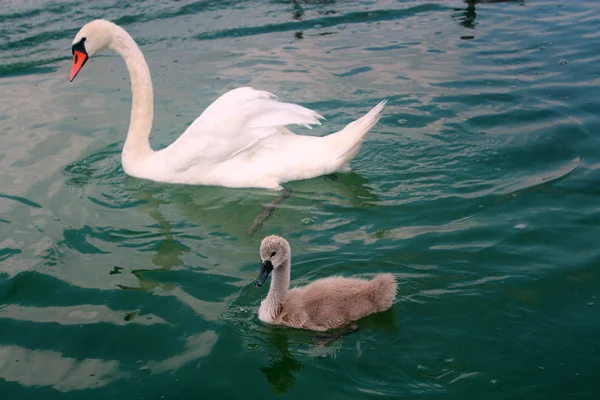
<point>324,304</point>
<point>240,140</point>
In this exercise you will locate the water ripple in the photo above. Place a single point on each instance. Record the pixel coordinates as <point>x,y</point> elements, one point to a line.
<point>75,315</point>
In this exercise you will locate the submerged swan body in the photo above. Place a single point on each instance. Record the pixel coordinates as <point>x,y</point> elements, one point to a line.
<point>240,140</point>
<point>325,304</point>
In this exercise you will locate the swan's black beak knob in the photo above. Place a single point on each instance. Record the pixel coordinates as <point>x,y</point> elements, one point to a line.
<point>80,56</point>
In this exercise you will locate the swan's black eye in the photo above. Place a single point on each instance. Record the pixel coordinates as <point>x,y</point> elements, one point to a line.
<point>273,254</point>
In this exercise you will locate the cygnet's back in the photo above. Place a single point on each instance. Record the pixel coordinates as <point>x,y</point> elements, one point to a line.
<point>335,301</point>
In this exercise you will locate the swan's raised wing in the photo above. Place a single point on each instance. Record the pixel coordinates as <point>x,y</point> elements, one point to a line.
<point>234,122</point>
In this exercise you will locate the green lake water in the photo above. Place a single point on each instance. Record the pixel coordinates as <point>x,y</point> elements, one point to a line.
<point>479,190</point>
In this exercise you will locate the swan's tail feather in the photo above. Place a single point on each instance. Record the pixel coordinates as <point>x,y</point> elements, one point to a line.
<point>384,291</point>
<point>352,136</point>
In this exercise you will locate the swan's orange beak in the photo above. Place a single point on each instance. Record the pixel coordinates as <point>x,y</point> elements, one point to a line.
<point>79,58</point>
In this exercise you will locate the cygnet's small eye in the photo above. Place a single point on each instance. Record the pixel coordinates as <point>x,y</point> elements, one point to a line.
<point>273,254</point>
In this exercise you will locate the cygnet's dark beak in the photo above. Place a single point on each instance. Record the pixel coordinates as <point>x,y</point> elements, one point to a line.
<point>265,269</point>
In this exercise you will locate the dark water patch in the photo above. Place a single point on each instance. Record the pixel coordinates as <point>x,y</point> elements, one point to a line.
<point>7,253</point>
<point>30,67</point>
<point>38,39</point>
<point>197,7</point>
<point>330,21</point>
<point>354,71</point>
<point>21,200</point>
<point>494,99</point>
<point>56,8</point>
<point>21,15</point>
<point>386,48</point>
<point>116,203</point>
<point>76,239</point>
<point>52,256</point>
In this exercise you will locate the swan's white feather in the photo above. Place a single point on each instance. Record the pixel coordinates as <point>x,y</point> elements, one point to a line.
<point>236,121</point>
<point>241,140</point>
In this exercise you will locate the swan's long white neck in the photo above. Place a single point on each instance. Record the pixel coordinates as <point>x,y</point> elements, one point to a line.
<point>279,288</point>
<point>137,144</point>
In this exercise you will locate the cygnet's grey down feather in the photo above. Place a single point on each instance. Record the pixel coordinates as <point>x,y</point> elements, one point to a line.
<point>322,305</point>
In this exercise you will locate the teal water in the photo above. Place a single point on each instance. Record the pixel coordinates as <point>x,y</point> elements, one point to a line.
<point>479,189</point>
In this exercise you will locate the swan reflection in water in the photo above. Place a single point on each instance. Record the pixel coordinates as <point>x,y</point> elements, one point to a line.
<point>221,215</point>
<point>280,372</point>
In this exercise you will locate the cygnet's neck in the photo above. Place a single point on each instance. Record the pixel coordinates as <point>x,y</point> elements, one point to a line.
<point>280,284</point>
<point>137,145</point>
